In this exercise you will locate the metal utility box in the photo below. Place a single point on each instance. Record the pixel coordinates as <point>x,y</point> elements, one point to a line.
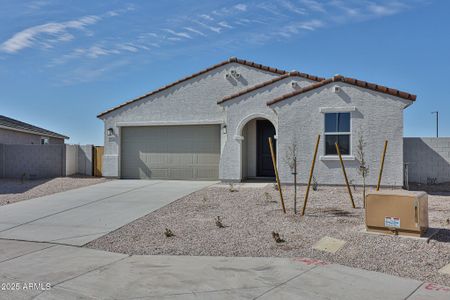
<point>397,212</point>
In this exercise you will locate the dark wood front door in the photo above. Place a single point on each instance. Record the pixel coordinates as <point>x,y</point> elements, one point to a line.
<point>264,130</point>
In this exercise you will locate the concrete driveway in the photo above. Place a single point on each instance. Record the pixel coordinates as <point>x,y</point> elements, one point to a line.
<point>67,272</point>
<point>79,216</point>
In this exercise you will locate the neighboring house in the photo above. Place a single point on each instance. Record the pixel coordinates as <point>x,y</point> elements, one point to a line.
<point>17,132</point>
<point>215,123</point>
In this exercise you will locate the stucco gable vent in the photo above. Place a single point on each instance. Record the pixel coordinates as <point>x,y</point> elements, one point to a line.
<point>233,73</point>
<point>336,89</point>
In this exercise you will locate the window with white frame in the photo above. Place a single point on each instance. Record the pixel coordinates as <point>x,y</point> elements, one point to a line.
<point>337,130</point>
<point>45,140</point>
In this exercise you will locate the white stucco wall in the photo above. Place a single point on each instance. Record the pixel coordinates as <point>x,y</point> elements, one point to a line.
<point>250,143</point>
<point>193,102</point>
<point>239,112</point>
<point>377,116</point>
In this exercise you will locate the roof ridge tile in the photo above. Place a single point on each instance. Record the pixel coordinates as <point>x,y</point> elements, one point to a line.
<point>348,80</point>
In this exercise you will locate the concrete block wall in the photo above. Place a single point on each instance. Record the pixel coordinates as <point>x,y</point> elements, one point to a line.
<point>33,161</point>
<point>45,161</point>
<point>428,159</point>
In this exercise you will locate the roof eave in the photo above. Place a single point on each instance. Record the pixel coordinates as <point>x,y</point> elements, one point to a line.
<point>54,135</point>
<point>269,82</point>
<point>230,60</point>
<point>351,81</point>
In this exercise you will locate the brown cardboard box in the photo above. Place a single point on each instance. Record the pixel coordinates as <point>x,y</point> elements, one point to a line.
<point>397,212</point>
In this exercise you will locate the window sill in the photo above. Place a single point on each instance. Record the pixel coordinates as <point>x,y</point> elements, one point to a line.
<point>335,157</point>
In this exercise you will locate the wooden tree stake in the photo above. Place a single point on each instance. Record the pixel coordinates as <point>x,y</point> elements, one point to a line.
<point>311,172</point>
<point>345,174</point>
<point>274,161</point>
<point>382,165</point>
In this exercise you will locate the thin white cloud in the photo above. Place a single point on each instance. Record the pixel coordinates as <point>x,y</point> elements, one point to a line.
<point>241,7</point>
<point>212,28</point>
<point>49,31</point>
<point>130,47</point>
<point>387,9</point>
<point>194,31</point>
<point>292,7</point>
<point>207,17</point>
<point>97,51</point>
<point>314,5</point>
<point>296,27</point>
<point>37,5</point>
<point>225,25</point>
<point>178,34</point>
<point>47,34</point>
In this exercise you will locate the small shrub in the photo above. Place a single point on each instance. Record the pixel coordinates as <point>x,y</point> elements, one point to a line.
<point>277,238</point>
<point>231,188</point>
<point>267,197</point>
<point>219,222</point>
<point>275,187</point>
<point>168,233</point>
<point>315,184</point>
<point>352,183</point>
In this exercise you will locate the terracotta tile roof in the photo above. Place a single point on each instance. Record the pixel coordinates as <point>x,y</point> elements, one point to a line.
<point>230,60</point>
<point>269,82</point>
<point>353,81</point>
<point>14,124</point>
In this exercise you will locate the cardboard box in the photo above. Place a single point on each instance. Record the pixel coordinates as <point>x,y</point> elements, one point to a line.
<point>397,212</point>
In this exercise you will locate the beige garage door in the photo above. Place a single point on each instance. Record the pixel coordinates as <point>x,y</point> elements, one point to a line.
<point>171,152</point>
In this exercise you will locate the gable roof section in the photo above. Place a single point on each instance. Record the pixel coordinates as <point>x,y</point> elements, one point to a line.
<point>17,125</point>
<point>269,82</point>
<point>230,60</point>
<point>352,81</point>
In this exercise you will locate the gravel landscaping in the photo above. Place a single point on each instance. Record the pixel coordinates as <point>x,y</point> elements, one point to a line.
<point>14,190</point>
<point>252,213</point>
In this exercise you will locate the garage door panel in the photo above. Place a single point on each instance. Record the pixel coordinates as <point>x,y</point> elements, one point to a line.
<point>159,173</point>
<point>157,158</point>
<point>208,159</point>
<point>181,159</point>
<point>205,173</point>
<point>171,152</point>
<point>182,173</point>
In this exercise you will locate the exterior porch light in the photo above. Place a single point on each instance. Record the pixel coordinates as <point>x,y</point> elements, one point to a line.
<point>110,132</point>
<point>224,129</point>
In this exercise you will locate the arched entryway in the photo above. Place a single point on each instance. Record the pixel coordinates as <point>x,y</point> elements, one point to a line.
<point>256,160</point>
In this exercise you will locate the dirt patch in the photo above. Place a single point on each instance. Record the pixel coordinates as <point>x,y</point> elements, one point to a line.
<point>14,190</point>
<point>250,215</point>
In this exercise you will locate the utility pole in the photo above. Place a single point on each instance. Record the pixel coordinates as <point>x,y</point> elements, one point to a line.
<point>437,122</point>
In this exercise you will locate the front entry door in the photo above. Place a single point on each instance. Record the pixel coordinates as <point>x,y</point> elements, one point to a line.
<point>264,130</point>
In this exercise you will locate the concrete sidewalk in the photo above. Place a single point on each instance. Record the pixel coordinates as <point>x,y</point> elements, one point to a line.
<point>79,216</point>
<point>79,273</point>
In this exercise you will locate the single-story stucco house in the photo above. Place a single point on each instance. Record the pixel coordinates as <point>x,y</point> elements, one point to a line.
<point>214,124</point>
<point>17,132</point>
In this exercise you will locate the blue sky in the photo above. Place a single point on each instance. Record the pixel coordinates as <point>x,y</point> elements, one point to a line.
<point>63,62</point>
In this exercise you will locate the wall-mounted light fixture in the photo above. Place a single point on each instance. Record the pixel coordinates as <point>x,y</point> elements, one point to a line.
<point>224,129</point>
<point>110,132</point>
